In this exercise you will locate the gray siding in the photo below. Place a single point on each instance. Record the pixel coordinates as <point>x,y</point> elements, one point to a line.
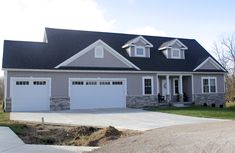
<point>59,80</point>
<point>89,60</point>
<point>198,82</point>
<point>208,66</point>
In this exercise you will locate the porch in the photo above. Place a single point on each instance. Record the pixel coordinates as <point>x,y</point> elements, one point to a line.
<point>174,88</point>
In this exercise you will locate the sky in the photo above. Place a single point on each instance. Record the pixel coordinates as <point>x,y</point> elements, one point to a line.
<point>203,20</point>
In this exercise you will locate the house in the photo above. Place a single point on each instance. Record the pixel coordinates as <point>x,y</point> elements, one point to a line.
<point>74,69</point>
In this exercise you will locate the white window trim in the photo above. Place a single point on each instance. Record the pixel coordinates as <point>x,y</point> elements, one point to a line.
<point>102,53</point>
<point>175,49</point>
<point>143,87</point>
<point>209,85</point>
<point>175,94</point>
<point>136,47</point>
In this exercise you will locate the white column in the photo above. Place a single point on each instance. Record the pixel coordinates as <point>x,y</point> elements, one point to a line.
<point>167,85</point>
<point>180,84</point>
<point>158,85</point>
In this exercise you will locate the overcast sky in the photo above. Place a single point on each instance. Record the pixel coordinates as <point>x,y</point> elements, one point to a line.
<point>203,20</point>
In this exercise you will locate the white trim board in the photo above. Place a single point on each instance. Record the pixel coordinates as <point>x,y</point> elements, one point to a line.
<point>93,45</point>
<point>172,43</point>
<point>111,71</point>
<point>137,39</point>
<point>212,61</point>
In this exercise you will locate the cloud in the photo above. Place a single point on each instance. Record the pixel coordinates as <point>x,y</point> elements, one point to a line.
<point>147,30</point>
<point>26,19</point>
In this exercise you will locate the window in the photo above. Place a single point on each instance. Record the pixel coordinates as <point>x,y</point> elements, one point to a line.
<point>209,85</point>
<point>91,83</point>
<point>139,51</point>
<point>99,52</point>
<point>39,82</point>
<point>77,83</point>
<point>175,53</point>
<point>147,86</point>
<point>117,82</point>
<point>104,82</point>
<point>22,82</point>
<point>176,86</point>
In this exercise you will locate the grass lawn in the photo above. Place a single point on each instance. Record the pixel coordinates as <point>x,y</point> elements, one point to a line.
<point>199,111</point>
<point>5,121</point>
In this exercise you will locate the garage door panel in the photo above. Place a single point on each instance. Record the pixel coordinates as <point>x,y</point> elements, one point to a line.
<point>97,94</point>
<point>30,94</point>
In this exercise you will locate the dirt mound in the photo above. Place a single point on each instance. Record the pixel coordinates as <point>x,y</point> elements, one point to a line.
<point>70,135</point>
<point>102,136</point>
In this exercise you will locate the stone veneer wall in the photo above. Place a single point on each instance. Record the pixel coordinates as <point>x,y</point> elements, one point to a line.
<point>8,104</point>
<point>141,101</point>
<point>59,103</point>
<point>215,98</point>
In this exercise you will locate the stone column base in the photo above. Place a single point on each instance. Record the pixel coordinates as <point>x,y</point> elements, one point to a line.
<point>181,98</point>
<point>59,103</point>
<point>8,105</point>
<point>168,98</point>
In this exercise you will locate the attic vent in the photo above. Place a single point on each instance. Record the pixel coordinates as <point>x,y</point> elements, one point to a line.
<point>99,52</point>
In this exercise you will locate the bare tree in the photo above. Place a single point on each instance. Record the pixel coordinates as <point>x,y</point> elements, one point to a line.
<point>225,51</point>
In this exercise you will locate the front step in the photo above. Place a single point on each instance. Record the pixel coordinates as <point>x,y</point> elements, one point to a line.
<point>182,104</point>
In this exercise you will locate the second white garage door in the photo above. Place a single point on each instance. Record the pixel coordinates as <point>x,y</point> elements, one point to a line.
<point>93,93</point>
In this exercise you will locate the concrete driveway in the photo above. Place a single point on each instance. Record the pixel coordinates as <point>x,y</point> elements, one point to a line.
<point>134,119</point>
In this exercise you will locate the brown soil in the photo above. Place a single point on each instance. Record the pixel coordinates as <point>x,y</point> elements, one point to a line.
<point>216,137</point>
<point>70,135</point>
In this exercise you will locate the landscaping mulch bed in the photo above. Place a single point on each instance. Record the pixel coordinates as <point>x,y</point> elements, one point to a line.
<point>70,135</point>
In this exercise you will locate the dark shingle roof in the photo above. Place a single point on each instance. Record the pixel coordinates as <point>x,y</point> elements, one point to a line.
<point>62,44</point>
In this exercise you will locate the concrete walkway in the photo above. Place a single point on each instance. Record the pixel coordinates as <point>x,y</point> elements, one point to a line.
<point>11,143</point>
<point>134,119</point>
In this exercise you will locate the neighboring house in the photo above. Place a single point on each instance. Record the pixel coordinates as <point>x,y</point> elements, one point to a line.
<point>74,69</point>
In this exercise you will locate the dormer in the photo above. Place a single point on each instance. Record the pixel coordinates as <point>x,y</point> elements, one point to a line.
<point>138,47</point>
<point>173,49</point>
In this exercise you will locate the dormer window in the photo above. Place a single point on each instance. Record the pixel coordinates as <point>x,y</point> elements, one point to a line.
<point>173,49</point>
<point>99,52</point>
<point>138,47</point>
<point>175,53</point>
<point>140,51</point>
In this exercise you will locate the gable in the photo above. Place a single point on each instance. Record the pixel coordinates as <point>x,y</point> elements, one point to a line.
<point>209,64</point>
<point>175,43</point>
<point>86,58</point>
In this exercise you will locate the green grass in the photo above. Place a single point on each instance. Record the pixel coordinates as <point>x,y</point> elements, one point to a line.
<point>199,111</point>
<point>5,121</point>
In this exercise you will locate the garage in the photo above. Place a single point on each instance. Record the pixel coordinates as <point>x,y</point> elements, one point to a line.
<point>30,94</point>
<point>97,93</point>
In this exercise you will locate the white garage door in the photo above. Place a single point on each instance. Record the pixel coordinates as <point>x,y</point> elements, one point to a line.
<point>30,94</point>
<point>91,93</point>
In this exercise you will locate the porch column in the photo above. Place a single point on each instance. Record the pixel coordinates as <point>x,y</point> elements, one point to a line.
<point>181,97</point>
<point>167,88</point>
<point>158,85</point>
